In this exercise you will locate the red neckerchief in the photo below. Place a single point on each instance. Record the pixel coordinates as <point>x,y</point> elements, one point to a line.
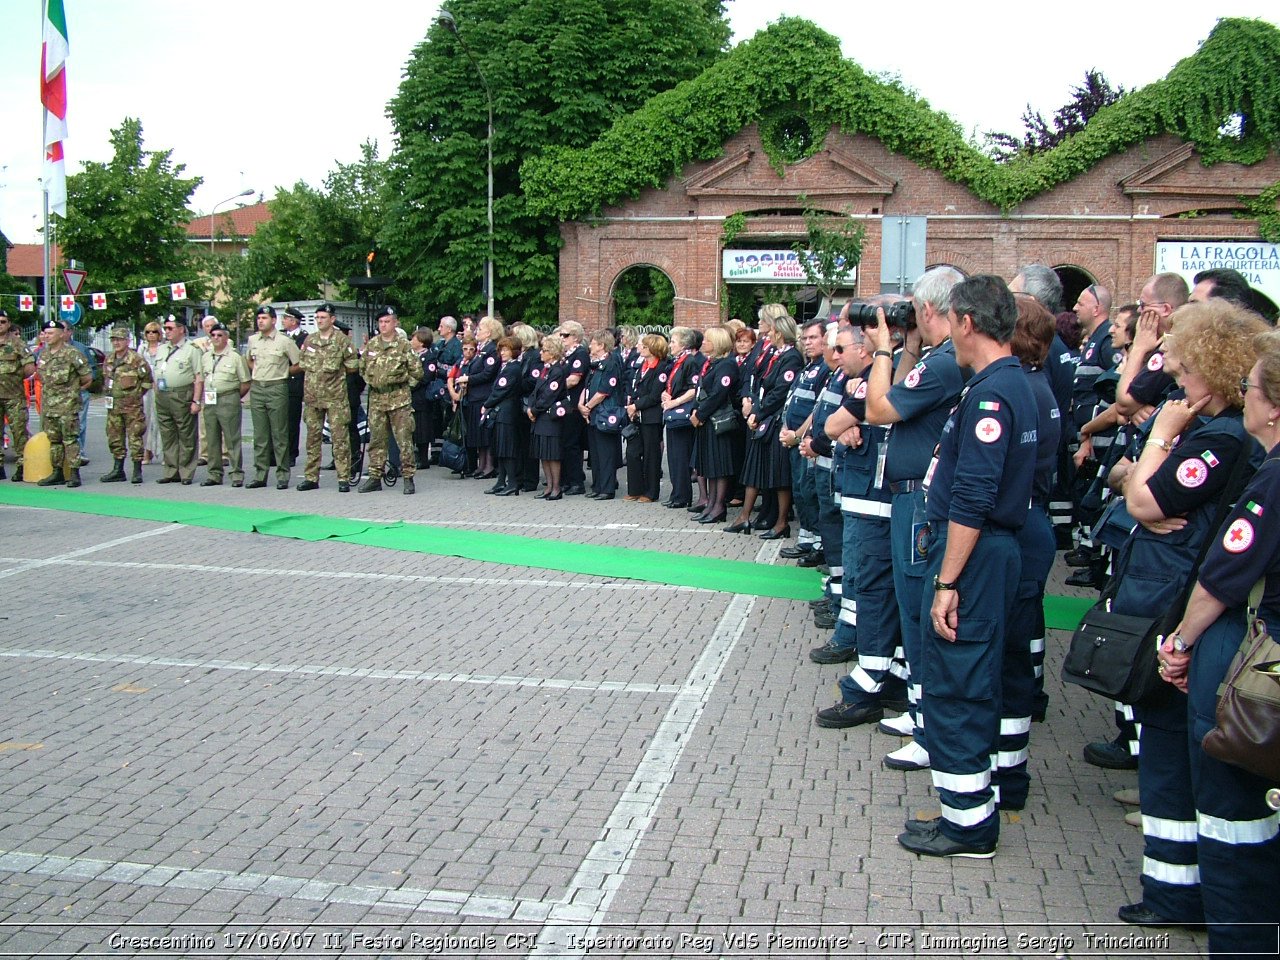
<point>705,367</point>
<point>773,358</point>
<point>648,365</point>
<point>764,355</point>
<point>671,374</point>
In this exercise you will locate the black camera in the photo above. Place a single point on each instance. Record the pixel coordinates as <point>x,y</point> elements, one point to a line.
<point>901,315</point>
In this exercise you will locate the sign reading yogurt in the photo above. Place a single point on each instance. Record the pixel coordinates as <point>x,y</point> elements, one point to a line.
<point>768,266</point>
<point>1259,262</point>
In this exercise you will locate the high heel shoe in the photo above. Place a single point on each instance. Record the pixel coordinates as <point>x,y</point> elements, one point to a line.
<point>714,518</point>
<point>761,524</point>
<point>742,526</point>
<point>555,496</point>
<point>777,534</point>
<point>699,507</point>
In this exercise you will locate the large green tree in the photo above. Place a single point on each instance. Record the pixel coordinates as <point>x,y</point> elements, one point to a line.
<point>560,72</point>
<point>126,224</point>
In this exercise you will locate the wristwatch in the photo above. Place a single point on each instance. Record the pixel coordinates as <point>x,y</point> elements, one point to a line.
<point>1179,645</point>
<point>939,585</point>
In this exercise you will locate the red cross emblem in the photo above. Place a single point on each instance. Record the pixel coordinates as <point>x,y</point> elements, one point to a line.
<point>99,301</point>
<point>1239,536</point>
<point>988,430</point>
<point>178,291</point>
<point>149,295</point>
<point>68,302</point>
<point>26,302</point>
<point>1192,473</point>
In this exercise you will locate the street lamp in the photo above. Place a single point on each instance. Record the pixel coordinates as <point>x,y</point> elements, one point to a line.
<point>243,193</point>
<point>446,20</point>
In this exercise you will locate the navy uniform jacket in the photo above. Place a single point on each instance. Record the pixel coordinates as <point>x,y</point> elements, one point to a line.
<point>1048,435</point>
<point>753,361</point>
<point>530,373</point>
<point>923,399</point>
<point>804,395</point>
<point>1096,358</point>
<point>546,402</point>
<point>606,377</point>
<point>1152,385</point>
<point>863,488</point>
<point>504,398</point>
<point>450,352</point>
<point>774,382</point>
<point>1247,548</point>
<point>718,386</point>
<point>646,392</point>
<point>577,362</point>
<point>1061,367</point>
<point>685,373</point>
<point>829,400</point>
<point>987,456</point>
<point>481,372</point>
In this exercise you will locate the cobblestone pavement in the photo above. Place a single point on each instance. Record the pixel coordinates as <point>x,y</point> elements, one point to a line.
<point>255,746</point>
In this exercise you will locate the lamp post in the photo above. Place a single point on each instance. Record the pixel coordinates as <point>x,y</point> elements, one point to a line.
<point>446,20</point>
<point>243,193</point>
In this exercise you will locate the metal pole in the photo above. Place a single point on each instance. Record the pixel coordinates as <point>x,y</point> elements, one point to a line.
<point>488,269</point>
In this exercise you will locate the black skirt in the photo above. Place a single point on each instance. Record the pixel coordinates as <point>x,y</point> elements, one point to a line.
<point>545,442</point>
<point>713,456</point>
<point>506,440</point>
<point>423,420</point>
<point>767,465</point>
<point>477,436</point>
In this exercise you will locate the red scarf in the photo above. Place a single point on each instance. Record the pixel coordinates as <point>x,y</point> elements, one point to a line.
<point>648,365</point>
<point>671,374</point>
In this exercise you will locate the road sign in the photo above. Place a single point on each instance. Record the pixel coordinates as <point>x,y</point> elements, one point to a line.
<point>72,316</point>
<point>74,280</point>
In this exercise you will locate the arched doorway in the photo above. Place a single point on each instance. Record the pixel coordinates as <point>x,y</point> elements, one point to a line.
<point>643,296</point>
<point>1074,280</point>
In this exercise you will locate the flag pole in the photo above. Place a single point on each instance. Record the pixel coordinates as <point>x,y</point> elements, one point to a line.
<point>44,183</point>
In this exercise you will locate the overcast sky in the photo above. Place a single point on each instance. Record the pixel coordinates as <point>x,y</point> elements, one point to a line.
<point>262,93</point>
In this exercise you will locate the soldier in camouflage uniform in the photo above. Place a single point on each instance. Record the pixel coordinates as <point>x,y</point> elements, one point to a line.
<point>126,377</point>
<point>16,364</point>
<point>327,358</point>
<point>63,373</point>
<point>390,368</point>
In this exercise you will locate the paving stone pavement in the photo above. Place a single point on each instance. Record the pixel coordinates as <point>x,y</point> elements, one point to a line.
<point>255,746</point>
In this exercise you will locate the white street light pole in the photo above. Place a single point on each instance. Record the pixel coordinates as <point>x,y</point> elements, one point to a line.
<point>446,20</point>
<point>242,193</point>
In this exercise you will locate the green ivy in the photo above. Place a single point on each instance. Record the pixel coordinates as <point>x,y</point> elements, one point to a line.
<point>734,224</point>
<point>1265,208</point>
<point>793,67</point>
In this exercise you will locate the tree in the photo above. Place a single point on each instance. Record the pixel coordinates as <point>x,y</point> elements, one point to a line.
<point>560,74</point>
<point>1086,99</point>
<point>831,250</point>
<point>126,223</point>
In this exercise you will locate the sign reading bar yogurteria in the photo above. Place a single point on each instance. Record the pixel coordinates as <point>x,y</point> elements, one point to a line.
<point>1258,261</point>
<point>767,266</point>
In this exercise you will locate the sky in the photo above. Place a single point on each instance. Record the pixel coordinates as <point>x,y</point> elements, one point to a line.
<point>259,94</point>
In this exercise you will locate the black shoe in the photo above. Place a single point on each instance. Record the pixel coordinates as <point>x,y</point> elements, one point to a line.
<point>282,484</point>
<point>237,483</point>
<point>849,715</point>
<point>407,488</point>
<point>794,553</point>
<point>1079,557</point>
<point>920,826</point>
<point>1139,915</point>
<point>369,485</point>
<point>187,481</point>
<point>677,506</point>
<point>698,507</point>
<point>712,518</point>
<point>82,462</point>
<point>74,480</point>
<point>762,523</point>
<point>814,559</point>
<point>211,483</point>
<point>555,496</point>
<point>776,534</point>
<point>256,484</point>
<point>308,485</point>
<point>496,488</point>
<point>1110,755</point>
<point>508,492</point>
<point>822,603</point>
<point>17,474</point>
<point>829,653</point>
<point>1085,577</point>
<point>331,465</point>
<point>202,462</point>
<point>740,527</point>
<point>115,474</point>
<point>934,843</point>
<point>167,480</point>
<point>576,490</point>
<point>344,488</point>
<point>137,472</point>
<point>605,496</point>
<point>824,621</point>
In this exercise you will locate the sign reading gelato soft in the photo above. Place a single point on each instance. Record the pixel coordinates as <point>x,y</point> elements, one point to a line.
<point>1259,262</point>
<point>768,266</point>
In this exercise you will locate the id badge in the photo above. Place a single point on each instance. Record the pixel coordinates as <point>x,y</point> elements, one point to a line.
<point>881,456</point>
<point>210,395</point>
<point>109,402</point>
<point>919,542</point>
<point>928,474</point>
<point>162,384</point>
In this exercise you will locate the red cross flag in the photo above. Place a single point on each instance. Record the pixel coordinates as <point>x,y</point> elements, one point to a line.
<point>99,301</point>
<point>149,295</point>
<point>178,291</point>
<point>26,302</point>
<point>67,302</point>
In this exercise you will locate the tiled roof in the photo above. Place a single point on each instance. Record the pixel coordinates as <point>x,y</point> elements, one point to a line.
<point>242,222</point>
<point>27,259</point>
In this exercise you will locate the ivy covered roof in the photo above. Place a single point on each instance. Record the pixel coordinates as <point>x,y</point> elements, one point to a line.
<point>787,68</point>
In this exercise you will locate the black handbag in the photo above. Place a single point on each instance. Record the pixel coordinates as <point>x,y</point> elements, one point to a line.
<point>1116,655</point>
<point>724,420</point>
<point>631,430</point>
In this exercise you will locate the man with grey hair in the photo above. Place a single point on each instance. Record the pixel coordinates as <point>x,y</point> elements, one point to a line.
<point>915,400</point>
<point>448,346</point>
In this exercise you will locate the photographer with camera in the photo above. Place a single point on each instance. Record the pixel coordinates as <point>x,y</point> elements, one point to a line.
<point>915,400</point>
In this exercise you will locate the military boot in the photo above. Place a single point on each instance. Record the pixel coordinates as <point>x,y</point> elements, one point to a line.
<point>137,472</point>
<point>369,485</point>
<point>117,473</point>
<point>53,479</point>
<point>1,467</point>
<point>74,480</point>
<point>407,487</point>
<point>17,474</point>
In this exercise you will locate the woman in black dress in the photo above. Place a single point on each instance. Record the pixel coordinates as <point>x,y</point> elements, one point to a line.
<point>546,411</point>
<point>677,401</point>
<point>504,407</point>
<point>530,371</point>
<point>602,408</point>
<point>714,452</point>
<point>644,408</point>
<point>478,378</point>
<point>768,465</point>
<point>420,396</point>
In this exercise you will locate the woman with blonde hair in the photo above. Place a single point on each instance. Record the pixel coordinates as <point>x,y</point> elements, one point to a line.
<point>149,350</point>
<point>478,378</point>
<point>644,408</point>
<point>714,452</point>
<point>545,410</point>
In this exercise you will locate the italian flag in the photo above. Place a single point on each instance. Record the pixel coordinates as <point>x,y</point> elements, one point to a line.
<point>53,94</point>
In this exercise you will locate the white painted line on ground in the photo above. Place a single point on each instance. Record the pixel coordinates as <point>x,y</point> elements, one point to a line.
<point>361,575</point>
<point>359,673</point>
<point>27,565</point>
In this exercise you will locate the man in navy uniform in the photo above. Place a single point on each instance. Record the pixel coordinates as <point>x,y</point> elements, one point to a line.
<point>978,490</point>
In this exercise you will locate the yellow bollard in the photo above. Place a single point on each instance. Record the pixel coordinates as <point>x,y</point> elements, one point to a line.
<point>36,463</point>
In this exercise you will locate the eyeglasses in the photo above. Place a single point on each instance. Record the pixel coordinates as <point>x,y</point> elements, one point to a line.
<point>1245,385</point>
<point>1145,305</point>
<point>170,326</point>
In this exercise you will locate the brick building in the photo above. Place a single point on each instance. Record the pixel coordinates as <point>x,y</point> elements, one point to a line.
<point>1101,226</point>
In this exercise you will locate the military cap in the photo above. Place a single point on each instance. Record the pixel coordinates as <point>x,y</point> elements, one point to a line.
<point>267,309</point>
<point>387,311</point>
<point>52,324</point>
<point>294,312</point>
<point>119,333</point>
<point>327,307</point>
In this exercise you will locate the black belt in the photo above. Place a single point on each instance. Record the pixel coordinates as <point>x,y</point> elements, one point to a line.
<point>905,486</point>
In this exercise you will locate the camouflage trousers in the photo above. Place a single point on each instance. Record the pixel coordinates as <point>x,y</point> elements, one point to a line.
<point>63,430</point>
<point>15,411</point>
<point>339,414</point>
<point>126,427</point>
<point>399,422</point>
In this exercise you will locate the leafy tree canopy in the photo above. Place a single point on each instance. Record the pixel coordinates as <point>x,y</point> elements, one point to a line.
<point>1087,99</point>
<point>794,66</point>
<point>560,72</point>
<point>126,223</point>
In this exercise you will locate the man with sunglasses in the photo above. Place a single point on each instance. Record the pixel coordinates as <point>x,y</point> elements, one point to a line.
<point>16,364</point>
<point>126,378</point>
<point>224,380</point>
<point>177,375</point>
<point>64,374</point>
<point>272,358</point>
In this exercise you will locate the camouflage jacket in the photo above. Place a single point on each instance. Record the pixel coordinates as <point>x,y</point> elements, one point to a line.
<point>125,379</point>
<point>14,357</point>
<point>390,369</point>
<point>326,361</point>
<point>60,373</point>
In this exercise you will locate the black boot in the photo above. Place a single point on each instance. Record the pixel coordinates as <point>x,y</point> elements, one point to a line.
<point>17,474</point>
<point>117,473</point>
<point>137,472</point>
<point>74,480</point>
<point>1,468</point>
<point>54,479</point>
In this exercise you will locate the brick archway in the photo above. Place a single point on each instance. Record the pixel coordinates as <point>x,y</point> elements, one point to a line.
<point>609,306</point>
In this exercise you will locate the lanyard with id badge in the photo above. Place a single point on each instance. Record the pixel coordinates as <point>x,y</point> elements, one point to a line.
<point>210,391</point>
<point>919,519</point>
